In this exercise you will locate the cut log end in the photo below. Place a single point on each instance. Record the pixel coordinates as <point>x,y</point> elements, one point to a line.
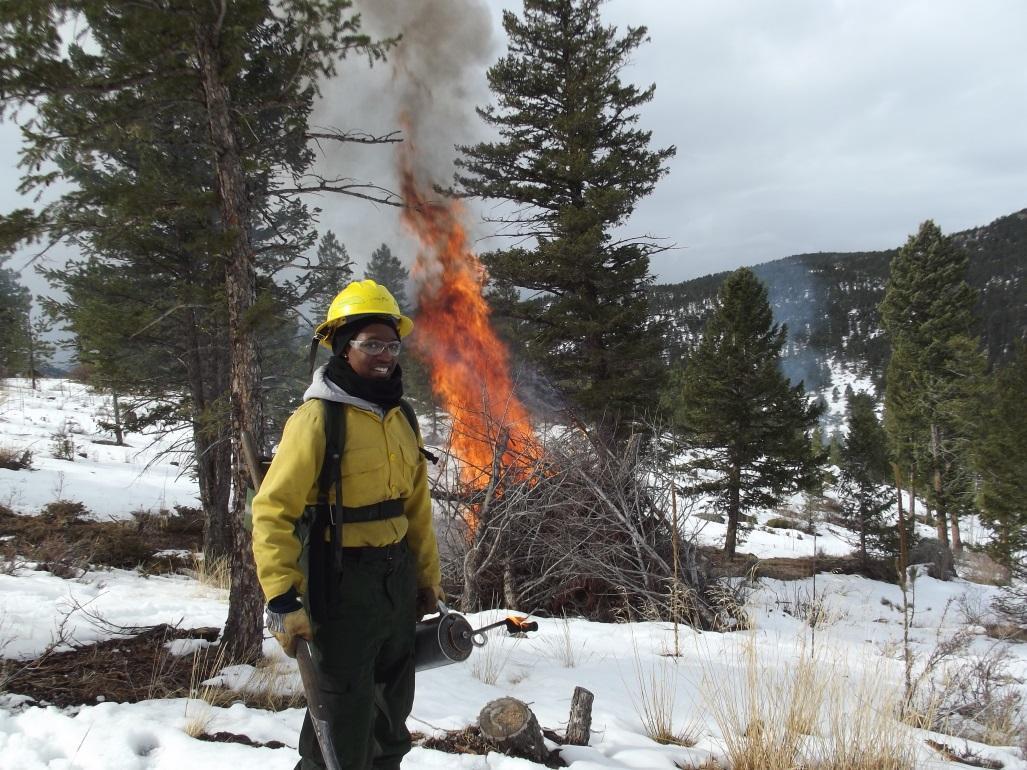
<point>511,726</point>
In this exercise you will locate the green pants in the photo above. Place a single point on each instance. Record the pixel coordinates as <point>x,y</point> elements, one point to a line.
<point>365,656</point>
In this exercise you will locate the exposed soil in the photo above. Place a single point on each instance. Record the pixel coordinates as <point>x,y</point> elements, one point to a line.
<point>470,741</point>
<point>63,539</point>
<point>124,670</point>
<point>747,565</point>
<point>223,737</point>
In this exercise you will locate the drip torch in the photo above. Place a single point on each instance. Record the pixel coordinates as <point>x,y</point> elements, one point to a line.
<point>448,637</point>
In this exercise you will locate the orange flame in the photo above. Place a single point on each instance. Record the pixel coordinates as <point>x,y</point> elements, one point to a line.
<point>469,364</point>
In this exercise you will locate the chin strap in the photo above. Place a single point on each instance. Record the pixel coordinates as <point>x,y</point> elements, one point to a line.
<point>312,358</point>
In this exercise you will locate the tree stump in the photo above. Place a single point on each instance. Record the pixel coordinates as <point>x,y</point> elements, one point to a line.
<point>510,725</point>
<point>580,723</point>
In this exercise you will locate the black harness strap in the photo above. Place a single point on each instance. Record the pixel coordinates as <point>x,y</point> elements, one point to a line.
<point>325,553</point>
<point>408,412</point>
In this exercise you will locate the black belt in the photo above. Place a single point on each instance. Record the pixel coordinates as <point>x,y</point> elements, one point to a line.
<point>386,509</point>
<point>375,553</point>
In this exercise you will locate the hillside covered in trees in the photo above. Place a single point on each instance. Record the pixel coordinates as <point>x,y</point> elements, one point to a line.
<point>829,301</point>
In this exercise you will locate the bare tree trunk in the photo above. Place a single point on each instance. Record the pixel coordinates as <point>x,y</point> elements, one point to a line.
<point>471,599</point>
<point>733,513</point>
<point>939,502</point>
<point>510,598</point>
<point>243,632</point>
<point>119,430</point>
<point>212,440</point>
<point>903,545</point>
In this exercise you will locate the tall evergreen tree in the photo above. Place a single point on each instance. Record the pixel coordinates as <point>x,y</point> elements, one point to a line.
<point>15,309</point>
<point>239,78</point>
<point>1001,457</point>
<point>748,429</point>
<point>326,278</point>
<point>572,164</point>
<point>927,312</point>
<point>863,488</point>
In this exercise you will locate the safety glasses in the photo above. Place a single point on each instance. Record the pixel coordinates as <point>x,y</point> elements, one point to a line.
<point>375,347</point>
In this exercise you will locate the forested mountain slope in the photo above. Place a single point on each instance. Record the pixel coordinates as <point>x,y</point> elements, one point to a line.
<point>829,301</point>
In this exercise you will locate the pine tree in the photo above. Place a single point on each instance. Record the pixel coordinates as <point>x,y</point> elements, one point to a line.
<point>385,268</point>
<point>40,348</point>
<point>748,428</point>
<point>1001,457</point>
<point>238,80</point>
<point>864,465</point>
<point>572,165</point>
<point>927,312</point>
<point>323,280</point>
<point>15,309</point>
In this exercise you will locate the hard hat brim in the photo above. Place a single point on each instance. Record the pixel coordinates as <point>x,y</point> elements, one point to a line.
<point>323,333</point>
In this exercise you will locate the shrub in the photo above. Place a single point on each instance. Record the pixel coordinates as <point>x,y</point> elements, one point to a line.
<point>14,459</point>
<point>62,446</point>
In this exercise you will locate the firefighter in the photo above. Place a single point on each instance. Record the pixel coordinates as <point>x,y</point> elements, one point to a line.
<point>385,574</point>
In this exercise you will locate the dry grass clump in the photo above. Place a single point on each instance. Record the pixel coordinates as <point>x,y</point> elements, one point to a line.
<point>562,648</point>
<point>274,685</point>
<point>489,662</point>
<point>213,573</point>
<point>862,730</point>
<point>807,714</point>
<point>654,697</point>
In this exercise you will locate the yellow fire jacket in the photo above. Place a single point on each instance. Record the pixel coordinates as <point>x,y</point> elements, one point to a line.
<point>380,462</point>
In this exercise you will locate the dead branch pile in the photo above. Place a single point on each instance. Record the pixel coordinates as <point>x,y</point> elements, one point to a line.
<point>583,530</point>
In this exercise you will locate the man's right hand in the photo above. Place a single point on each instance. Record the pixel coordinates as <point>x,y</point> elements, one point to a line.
<point>296,624</point>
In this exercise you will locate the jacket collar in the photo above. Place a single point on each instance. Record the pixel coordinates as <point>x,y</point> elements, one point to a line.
<point>322,387</point>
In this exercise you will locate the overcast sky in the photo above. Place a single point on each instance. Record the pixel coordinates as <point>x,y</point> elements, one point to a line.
<point>800,125</point>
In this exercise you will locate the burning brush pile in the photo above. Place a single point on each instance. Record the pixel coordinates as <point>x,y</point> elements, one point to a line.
<point>562,524</point>
<point>582,531</point>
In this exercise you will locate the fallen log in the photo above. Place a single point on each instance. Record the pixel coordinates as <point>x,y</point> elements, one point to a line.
<point>511,727</point>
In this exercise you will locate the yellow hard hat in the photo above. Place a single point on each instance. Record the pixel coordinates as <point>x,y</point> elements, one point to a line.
<point>360,299</point>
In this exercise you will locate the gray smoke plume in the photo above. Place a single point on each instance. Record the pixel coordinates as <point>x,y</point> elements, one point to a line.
<point>436,77</point>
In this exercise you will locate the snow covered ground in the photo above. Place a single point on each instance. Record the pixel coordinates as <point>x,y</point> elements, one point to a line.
<point>854,659</point>
<point>112,481</point>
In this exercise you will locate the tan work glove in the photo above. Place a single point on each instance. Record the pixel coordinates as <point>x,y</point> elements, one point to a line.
<point>428,599</point>
<point>290,627</point>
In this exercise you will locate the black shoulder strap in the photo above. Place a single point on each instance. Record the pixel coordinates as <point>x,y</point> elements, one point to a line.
<point>408,412</point>
<point>325,555</point>
<point>335,442</point>
<point>331,473</point>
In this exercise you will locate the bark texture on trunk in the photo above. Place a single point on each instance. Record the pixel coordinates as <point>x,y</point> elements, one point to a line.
<point>903,545</point>
<point>243,631</point>
<point>579,725</point>
<point>208,384</point>
<point>733,512</point>
<point>939,502</point>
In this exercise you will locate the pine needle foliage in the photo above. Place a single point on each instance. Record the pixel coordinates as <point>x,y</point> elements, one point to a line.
<point>746,427</point>
<point>568,169</point>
